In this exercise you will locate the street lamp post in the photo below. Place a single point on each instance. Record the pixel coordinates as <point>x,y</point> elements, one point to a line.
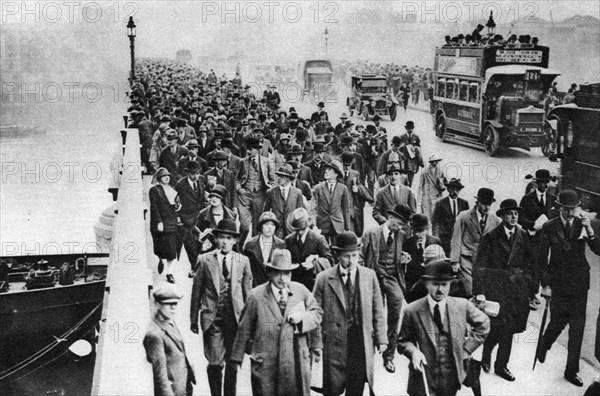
<point>131,35</point>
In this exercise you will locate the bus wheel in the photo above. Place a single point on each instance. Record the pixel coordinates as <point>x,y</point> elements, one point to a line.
<point>492,141</point>
<point>440,129</point>
<point>365,113</point>
<point>393,113</point>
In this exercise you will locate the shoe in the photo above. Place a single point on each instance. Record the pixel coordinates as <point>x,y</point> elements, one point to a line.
<point>574,379</point>
<point>504,373</point>
<point>532,305</point>
<point>170,278</point>
<point>485,366</point>
<point>389,366</point>
<point>191,274</point>
<point>161,267</point>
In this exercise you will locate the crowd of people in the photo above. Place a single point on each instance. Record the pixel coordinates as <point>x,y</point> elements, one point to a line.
<point>270,205</point>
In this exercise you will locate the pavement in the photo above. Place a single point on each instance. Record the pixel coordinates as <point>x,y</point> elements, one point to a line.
<point>506,176</point>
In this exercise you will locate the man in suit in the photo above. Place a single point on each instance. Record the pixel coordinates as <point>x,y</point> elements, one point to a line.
<point>308,249</point>
<point>391,195</point>
<point>192,156</point>
<point>331,203</point>
<point>373,149</point>
<point>295,153</point>
<point>170,156</point>
<point>469,228</point>
<point>382,252</point>
<point>415,246</point>
<point>438,335</point>
<point>302,185</point>
<point>384,159</point>
<point>446,211</point>
<point>283,199</point>
<point>191,195</point>
<point>358,193</point>
<point>410,145</point>
<point>566,273</point>
<point>316,164</point>
<point>220,175</point>
<point>277,320</point>
<point>222,283</point>
<point>535,204</point>
<point>272,97</point>
<point>316,116</point>
<point>259,249</point>
<point>209,217</point>
<point>339,128</point>
<point>256,175</point>
<point>502,273</point>
<point>353,321</point>
<point>172,372</point>
<point>322,125</point>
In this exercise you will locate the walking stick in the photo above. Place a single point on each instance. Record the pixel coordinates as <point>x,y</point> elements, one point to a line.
<point>542,327</point>
<point>425,380</point>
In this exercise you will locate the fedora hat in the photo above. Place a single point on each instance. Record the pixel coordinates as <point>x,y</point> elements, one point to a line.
<point>220,155</point>
<point>454,182</point>
<point>193,143</point>
<point>419,222</point>
<point>336,166</point>
<point>281,261</point>
<point>267,216</point>
<point>162,172</point>
<point>285,170</point>
<point>485,196</point>
<point>506,205</point>
<point>319,147</point>
<point>347,157</point>
<point>218,191</point>
<point>253,143</point>
<point>402,211</point>
<point>295,149</point>
<point>438,270</point>
<point>298,219</point>
<point>344,116</point>
<point>193,166</point>
<point>542,175</point>
<point>568,199</point>
<point>226,226</point>
<point>346,242</point>
<point>295,166</point>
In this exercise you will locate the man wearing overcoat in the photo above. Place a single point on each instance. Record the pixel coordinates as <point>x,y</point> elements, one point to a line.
<point>446,211</point>
<point>283,199</point>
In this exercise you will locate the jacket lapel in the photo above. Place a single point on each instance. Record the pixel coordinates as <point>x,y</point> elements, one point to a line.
<point>475,221</point>
<point>336,285</point>
<point>213,266</point>
<point>388,194</point>
<point>272,302</point>
<point>172,333</point>
<point>426,320</point>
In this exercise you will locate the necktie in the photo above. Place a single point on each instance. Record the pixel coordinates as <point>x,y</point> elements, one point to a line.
<point>454,208</point>
<point>255,163</point>
<point>568,229</point>
<point>390,239</point>
<point>225,270</point>
<point>542,203</point>
<point>348,282</point>
<point>420,249</point>
<point>282,303</point>
<point>437,318</point>
<point>331,189</point>
<point>396,195</point>
<point>482,222</point>
<point>195,187</point>
<point>346,177</point>
<point>510,237</point>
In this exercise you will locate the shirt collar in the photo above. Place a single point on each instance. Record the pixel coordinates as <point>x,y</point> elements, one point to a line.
<point>276,291</point>
<point>564,221</point>
<point>508,232</point>
<point>386,230</point>
<point>344,271</point>
<point>432,303</point>
<point>540,194</point>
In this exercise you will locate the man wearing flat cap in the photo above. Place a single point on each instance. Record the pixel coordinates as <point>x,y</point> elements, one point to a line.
<point>222,282</point>
<point>353,321</point>
<point>502,273</point>
<point>171,368</point>
<point>331,205</point>
<point>276,322</point>
<point>566,275</point>
<point>255,176</point>
<point>432,335</point>
<point>283,199</point>
<point>382,251</point>
<point>469,228</point>
<point>446,211</point>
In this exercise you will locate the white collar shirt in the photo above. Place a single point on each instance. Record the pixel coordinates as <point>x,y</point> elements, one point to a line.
<point>442,304</point>
<point>344,273</point>
<point>265,247</point>
<point>228,257</point>
<point>277,292</point>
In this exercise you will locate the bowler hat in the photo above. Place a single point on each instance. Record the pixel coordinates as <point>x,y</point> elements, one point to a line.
<point>344,116</point>
<point>286,171</point>
<point>485,196</point>
<point>226,226</point>
<point>219,155</point>
<point>295,149</point>
<point>439,270</point>
<point>377,117</point>
<point>568,199</point>
<point>371,128</point>
<point>419,222</point>
<point>267,216</point>
<point>281,261</point>
<point>336,166</point>
<point>301,135</point>
<point>319,147</point>
<point>347,139</point>
<point>298,219</point>
<point>193,166</point>
<point>396,141</point>
<point>253,143</point>
<point>409,125</point>
<point>218,135</point>
<point>321,104</point>
<point>346,242</point>
<point>162,172</point>
<point>347,157</point>
<point>402,211</point>
<point>506,205</point>
<point>542,175</point>
<point>167,293</point>
<point>218,191</point>
<point>294,165</point>
<point>454,182</point>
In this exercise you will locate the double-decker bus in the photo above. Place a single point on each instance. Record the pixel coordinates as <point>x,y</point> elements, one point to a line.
<point>577,127</point>
<point>492,97</point>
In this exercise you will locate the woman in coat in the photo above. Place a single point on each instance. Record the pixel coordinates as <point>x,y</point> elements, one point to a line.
<point>432,186</point>
<point>164,204</point>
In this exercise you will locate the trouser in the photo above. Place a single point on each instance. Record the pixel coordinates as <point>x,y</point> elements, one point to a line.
<point>501,336</point>
<point>466,273</point>
<point>250,213</point>
<point>371,173</point>
<point>218,342</point>
<point>356,366</point>
<point>567,311</point>
<point>393,296</point>
<point>358,221</point>
<point>186,238</point>
<point>410,176</point>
